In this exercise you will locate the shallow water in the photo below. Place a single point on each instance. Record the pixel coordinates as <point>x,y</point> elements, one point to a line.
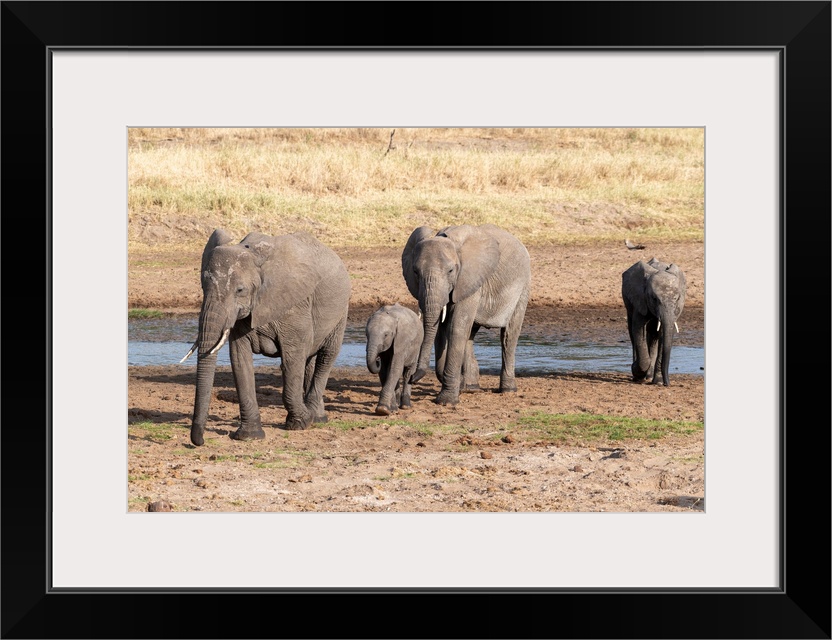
<point>165,341</point>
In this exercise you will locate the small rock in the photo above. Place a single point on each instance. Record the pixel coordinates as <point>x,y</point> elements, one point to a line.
<point>420,444</point>
<point>203,483</point>
<point>578,468</point>
<point>507,439</point>
<point>485,455</point>
<point>159,505</point>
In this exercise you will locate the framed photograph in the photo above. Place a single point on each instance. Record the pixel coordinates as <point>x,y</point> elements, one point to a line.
<point>85,81</point>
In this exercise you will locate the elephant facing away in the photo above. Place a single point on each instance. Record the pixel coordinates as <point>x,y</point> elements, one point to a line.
<point>654,296</point>
<point>280,296</point>
<point>466,277</point>
<point>394,337</point>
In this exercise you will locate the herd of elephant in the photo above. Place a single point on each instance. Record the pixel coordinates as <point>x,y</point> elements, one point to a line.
<point>288,296</point>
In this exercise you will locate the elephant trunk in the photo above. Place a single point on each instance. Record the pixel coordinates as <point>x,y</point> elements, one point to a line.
<point>666,343</point>
<point>213,330</point>
<point>435,308</point>
<point>205,369</point>
<point>373,358</point>
<point>212,335</point>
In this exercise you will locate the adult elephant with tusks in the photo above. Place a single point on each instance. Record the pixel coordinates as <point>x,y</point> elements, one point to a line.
<point>466,277</point>
<point>281,296</point>
<point>654,296</point>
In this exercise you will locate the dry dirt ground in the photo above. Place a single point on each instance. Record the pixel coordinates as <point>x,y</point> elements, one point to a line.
<point>492,452</point>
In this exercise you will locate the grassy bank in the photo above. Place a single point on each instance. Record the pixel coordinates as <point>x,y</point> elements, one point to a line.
<point>366,187</point>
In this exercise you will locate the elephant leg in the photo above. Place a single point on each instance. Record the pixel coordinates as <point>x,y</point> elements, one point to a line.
<point>654,351</point>
<point>470,366</point>
<point>387,374</point>
<point>293,365</point>
<point>407,387</point>
<point>324,361</point>
<point>242,366</point>
<point>630,331</point>
<point>457,338</point>
<point>308,374</point>
<point>641,348</point>
<point>509,335</point>
<point>440,344</point>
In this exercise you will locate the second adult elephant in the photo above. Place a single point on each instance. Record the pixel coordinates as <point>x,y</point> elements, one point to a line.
<point>466,277</point>
<point>654,296</point>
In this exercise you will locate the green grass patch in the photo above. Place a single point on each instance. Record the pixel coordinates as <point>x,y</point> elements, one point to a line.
<point>588,427</point>
<point>422,428</point>
<point>157,432</point>
<point>144,314</point>
<point>276,464</point>
<point>284,459</point>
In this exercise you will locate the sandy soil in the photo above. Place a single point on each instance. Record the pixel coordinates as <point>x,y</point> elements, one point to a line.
<point>489,453</point>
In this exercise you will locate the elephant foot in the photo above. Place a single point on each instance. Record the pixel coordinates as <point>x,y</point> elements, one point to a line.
<point>384,410</point>
<point>447,398</point>
<point>471,388</point>
<point>197,436</point>
<point>321,419</point>
<point>405,404</point>
<point>293,423</point>
<point>508,387</point>
<point>253,433</point>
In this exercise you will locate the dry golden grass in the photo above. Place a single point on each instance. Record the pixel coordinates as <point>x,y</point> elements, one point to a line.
<point>352,187</point>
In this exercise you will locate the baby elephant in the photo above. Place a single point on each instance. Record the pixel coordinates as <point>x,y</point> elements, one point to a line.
<point>394,337</point>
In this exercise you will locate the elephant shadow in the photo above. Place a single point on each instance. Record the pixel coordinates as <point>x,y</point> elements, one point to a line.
<point>589,376</point>
<point>343,394</point>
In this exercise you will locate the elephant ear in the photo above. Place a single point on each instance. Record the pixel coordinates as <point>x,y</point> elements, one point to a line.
<point>419,234</point>
<point>479,255</point>
<point>219,237</point>
<point>260,245</point>
<point>290,270</point>
<point>673,268</point>
<point>633,283</point>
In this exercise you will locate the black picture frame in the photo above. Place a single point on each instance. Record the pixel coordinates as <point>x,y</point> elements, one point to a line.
<point>799,31</point>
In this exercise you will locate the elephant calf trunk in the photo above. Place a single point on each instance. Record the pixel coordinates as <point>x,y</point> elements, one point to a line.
<point>374,364</point>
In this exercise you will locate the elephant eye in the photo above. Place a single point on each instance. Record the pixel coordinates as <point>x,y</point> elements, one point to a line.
<point>239,288</point>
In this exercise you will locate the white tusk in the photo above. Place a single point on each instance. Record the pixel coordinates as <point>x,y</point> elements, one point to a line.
<point>188,355</point>
<point>444,313</point>
<point>677,327</point>
<point>221,342</point>
<point>659,328</point>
